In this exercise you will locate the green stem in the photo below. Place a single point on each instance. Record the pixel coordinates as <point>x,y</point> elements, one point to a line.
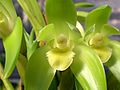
<point>1,70</point>
<point>6,82</point>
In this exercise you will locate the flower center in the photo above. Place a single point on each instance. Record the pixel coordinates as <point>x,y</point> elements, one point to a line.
<point>62,41</point>
<point>61,56</point>
<point>97,40</point>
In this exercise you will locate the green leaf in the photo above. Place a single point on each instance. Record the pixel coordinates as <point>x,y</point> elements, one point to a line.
<point>31,37</point>
<point>12,46</point>
<point>77,85</point>
<point>112,82</point>
<point>81,16</point>
<point>60,11</point>
<point>1,70</point>
<point>26,36</point>
<point>88,69</point>
<point>114,63</point>
<point>54,83</point>
<point>39,74</point>
<point>9,9</point>
<point>67,80</point>
<point>32,9</point>
<point>31,49</point>
<point>21,66</point>
<point>23,49</point>
<point>99,17</point>
<point>31,44</point>
<point>6,82</point>
<point>83,4</point>
<point>109,30</point>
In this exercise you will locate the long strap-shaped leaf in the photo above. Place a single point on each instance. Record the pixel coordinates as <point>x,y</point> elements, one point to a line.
<point>12,46</point>
<point>88,69</point>
<point>99,17</point>
<point>112,82</point>
<point>39,73</point>
<point>60,11</point>
<point>9,10</point>
<point>66,80</point>
<point>32,9</point>
<point>21,66</point>
<point>114,62</point>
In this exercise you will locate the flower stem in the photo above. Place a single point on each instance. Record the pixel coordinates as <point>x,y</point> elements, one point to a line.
<point>6,82</point>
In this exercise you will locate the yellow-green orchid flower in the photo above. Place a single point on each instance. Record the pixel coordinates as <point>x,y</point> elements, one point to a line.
<point>99,44</point>
<point>7,17</point>
<point>61,54</point>
<point>99,41</point>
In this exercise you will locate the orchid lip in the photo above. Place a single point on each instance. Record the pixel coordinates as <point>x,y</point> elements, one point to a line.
<point>60,60</point>
<point>60,57</point>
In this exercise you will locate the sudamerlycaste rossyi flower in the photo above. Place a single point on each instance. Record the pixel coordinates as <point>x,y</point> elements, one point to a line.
<point>99,44</point>
<point>61,53</point>
<point>7,18</point>
<point>99,41</point>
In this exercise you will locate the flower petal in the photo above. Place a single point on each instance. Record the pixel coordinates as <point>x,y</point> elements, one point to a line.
<point>60,60</point>
<point>104,53</point>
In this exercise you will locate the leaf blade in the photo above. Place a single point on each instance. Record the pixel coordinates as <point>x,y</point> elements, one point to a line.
<point>32,9</point>
<point>90,71</point>
<point>42,77</point>
<point>21,66</point>
<point>12,46</point>
<point>114,63</point>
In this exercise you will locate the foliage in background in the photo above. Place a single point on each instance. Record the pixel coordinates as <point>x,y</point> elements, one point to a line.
<point>59,53</point>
